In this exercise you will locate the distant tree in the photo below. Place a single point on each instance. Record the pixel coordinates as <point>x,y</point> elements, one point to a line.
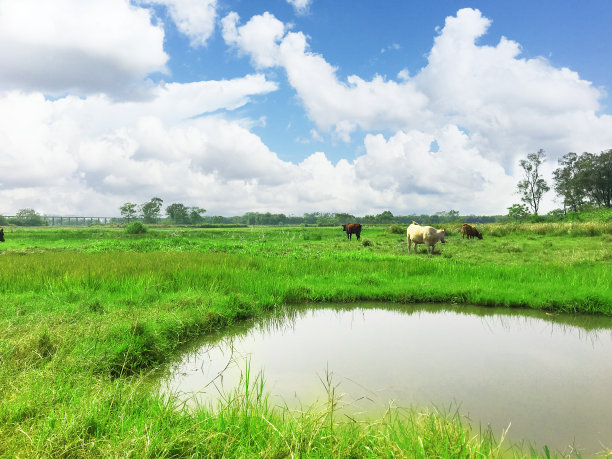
<point>178,213</point>
<point>447,215</point>
<point>195,214</point>
<point>384,217</point>
<point>128,211</point>
<point>518,211</point>
<point>596,177</point>
<point>568,182</point>
<point>344,218</point>
<point>150,210</point>
<point>533,186</point>
<point>29,217</point>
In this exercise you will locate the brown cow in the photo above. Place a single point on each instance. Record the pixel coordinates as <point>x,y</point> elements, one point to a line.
<point>1,234</point>
<point>352,228</point>
<point>470,231</point>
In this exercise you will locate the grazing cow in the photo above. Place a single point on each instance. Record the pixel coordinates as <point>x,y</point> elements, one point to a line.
<point>1,234</point>
<point>470,231</point>
<point>427,235</point>
<point>352,228</point>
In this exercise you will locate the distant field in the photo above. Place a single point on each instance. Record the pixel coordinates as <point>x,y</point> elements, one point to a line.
<point>87,312</point>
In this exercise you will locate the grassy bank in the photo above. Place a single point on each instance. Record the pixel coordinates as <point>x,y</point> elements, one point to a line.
<point>87,313</point>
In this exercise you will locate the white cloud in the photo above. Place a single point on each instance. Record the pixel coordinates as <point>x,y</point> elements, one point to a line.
<point>484,106</point>
<point>301,6</point>
<point>193,18</point>
<point>509,105</point>
<point>96,145</point>
<point>257,38</point>
<point>79,47</point>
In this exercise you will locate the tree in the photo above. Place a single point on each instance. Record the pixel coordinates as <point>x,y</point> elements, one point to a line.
<point>518,211</point>
<point>150,210</point>
<point>533,186</point>
<point>29,217</point>
<point>178,213</point>
<point>128,211</point>
<point>596,177</point>
<point>344,217</point>
<point>384,217</point>
<point>195,214</point>
<point>568,182</point>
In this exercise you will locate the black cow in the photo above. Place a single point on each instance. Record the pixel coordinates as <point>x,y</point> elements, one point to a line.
<point>1,234</point>
<point>352,228</point>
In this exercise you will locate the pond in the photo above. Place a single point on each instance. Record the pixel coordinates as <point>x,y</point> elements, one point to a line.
<point>546,378</point>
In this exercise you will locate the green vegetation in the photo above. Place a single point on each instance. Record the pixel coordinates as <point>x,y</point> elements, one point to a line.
<point>88,313</point>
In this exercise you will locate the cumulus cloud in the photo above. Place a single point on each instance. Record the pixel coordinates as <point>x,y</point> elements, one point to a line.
<point>508,104</point>
<point>98,145</point>
<point>483,106</point>
<point>257,38</point>
<point>330,103</point>
<point>193,18</point>
<point>78,47</point>
<point>300,6</point>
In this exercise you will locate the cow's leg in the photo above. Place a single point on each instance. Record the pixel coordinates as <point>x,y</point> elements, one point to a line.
<point>358,236</point>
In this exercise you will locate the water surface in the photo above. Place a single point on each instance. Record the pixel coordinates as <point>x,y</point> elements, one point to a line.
<point>547,377</point>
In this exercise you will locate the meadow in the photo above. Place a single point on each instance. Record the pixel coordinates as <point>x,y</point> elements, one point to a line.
<point>88,313</point>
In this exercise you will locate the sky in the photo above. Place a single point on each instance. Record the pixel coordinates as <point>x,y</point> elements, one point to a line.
<point>294,106</point>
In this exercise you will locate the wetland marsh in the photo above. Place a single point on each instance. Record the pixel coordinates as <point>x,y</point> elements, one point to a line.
<point>88,314</point>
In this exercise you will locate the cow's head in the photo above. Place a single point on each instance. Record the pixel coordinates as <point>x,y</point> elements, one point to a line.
<point>478,235</point>
<point>1,234</point>
<point>343,227</point>
<point>441,234</point>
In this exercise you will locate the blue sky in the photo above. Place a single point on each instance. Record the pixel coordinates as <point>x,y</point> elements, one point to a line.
<point>295,106</point>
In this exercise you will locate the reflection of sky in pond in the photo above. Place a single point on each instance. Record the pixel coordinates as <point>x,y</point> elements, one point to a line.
<point>550,379</point>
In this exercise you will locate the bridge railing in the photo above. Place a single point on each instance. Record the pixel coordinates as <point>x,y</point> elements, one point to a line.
<point>61,220</point>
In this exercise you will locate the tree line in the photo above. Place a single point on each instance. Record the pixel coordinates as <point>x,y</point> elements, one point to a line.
<point>178,213</point>
<point>582,182</point>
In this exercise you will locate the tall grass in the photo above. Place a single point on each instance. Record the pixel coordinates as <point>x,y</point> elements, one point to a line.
<point>86,314</point>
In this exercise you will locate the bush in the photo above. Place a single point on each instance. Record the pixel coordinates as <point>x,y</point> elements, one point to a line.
<point>135,228</point>
<point>396,229</point>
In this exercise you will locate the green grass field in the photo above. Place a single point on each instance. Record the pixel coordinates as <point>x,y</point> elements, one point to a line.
<point>86,314</point>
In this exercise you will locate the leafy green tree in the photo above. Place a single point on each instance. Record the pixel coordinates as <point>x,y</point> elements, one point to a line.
<point>596,177</point>
<point>518,211</point>
<point>195,214</point>
<point>344,218</point>
<point>178,213</point>
<point>128,211</point>
<point>150,210</point>
<point>533,186</point>
<point>568,182</point>
<point>384,217</point>
<point>29,217</point>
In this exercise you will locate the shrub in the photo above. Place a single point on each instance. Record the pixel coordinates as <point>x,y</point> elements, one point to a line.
<point>396,229</point>
<point>135,228</point>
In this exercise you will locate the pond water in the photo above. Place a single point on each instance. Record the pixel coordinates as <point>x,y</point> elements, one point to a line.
<point>546,377</point>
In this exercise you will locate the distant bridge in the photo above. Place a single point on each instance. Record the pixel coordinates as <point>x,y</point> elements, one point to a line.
<point>61,220</point>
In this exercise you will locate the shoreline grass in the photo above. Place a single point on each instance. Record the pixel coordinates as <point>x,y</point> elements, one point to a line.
<point>86,314</point>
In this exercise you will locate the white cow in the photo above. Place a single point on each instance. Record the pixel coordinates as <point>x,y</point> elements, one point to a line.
<point>427,235</point>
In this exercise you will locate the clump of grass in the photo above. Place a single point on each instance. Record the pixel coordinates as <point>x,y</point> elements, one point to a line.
<point>135,228</point>
<point>396,229</point>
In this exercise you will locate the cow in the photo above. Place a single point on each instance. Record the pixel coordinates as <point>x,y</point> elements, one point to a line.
<point>469,231</point>
<point>352,228</point>
<point>427,235</point>
<point>1,234</point>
